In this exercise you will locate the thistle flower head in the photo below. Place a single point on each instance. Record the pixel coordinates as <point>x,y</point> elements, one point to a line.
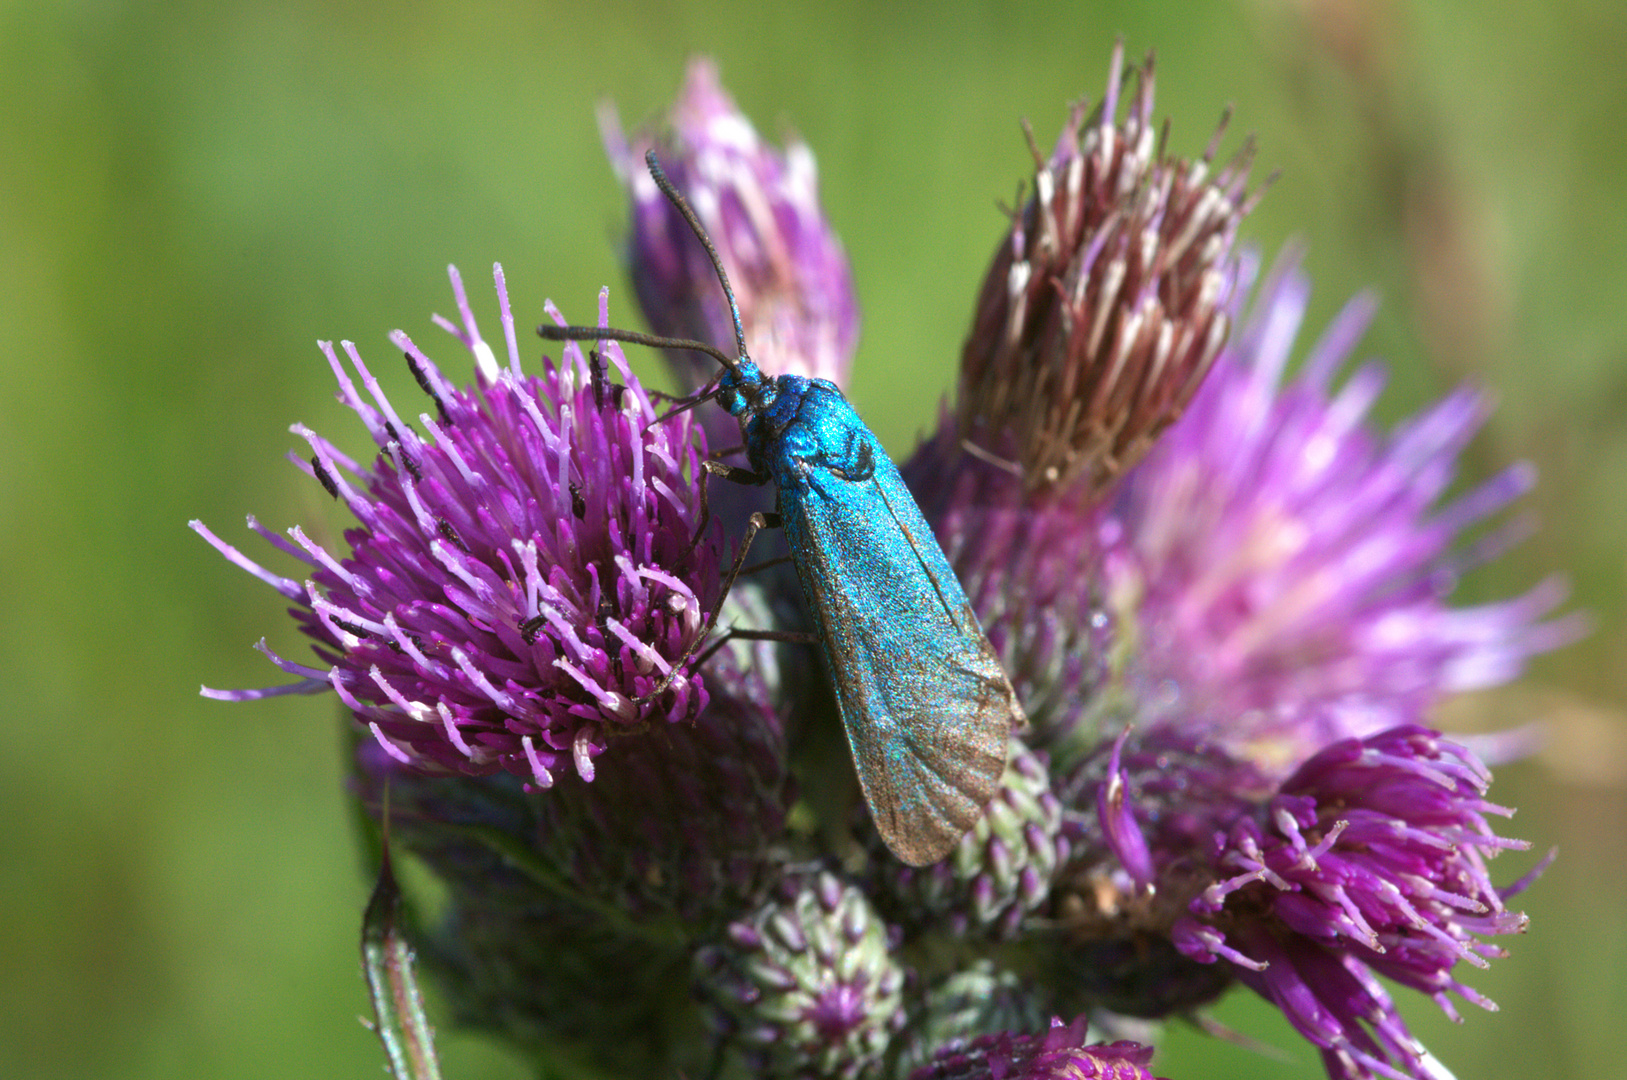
<point>1274,578</point>
<point>1057,1054</point>
<point>525,570</point>
<point>1286,567</point>
<point>761,207</point>
<point>1106,302</point>
<point>1270,580</point>
<point>1370,860</point>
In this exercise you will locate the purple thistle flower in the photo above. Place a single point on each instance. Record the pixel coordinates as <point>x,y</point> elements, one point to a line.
<point>520,579</point>
<point>761,207</point>
<point>1057,1054</point>
<point>1288,567</point>
<point>1272,580</point>
<point>1369,860</point>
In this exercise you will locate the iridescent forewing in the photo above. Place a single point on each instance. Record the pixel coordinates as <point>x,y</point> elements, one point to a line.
<point>927,706</point>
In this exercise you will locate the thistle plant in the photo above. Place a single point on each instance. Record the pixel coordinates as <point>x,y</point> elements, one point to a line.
<point>1220,591</point>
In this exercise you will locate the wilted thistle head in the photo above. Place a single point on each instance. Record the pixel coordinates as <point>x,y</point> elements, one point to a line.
<point>1106,303</point>
<point>1228,638</point>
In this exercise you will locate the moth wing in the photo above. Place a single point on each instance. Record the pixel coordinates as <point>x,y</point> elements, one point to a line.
<point>926,704</point>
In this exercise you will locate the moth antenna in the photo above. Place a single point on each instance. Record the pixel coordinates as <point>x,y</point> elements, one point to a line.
<point>633,337</point>
<point>682,204</point>
<point>549,332</point>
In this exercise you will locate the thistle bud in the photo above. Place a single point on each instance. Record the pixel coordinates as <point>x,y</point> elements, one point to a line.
<point>761,207</point>
<point>978,1000</point>
<point>1000,871</point>
<point>807,985</point>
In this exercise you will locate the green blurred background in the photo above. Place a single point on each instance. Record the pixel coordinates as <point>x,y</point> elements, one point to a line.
<point>191,194</point>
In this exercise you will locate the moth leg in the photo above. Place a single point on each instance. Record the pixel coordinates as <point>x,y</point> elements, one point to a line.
<point>728,472</point>
<point>758,522</point>
<point>790,637</point>
<point>779,560</point>
<point>734,473</point>
<point>684,404</point>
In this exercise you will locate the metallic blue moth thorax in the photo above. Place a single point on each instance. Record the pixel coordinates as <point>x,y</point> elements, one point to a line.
<point>793,423</point>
